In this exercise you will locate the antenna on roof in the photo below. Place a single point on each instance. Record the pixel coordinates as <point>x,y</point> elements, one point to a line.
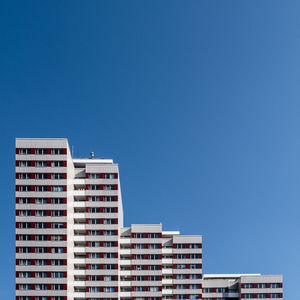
<point>92,155</point>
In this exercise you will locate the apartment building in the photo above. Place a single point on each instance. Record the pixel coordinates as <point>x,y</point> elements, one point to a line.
<point>71,243</point>
<point>242,286</point>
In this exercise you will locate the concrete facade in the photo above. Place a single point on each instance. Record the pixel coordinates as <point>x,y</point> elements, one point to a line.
<point>71,243</point>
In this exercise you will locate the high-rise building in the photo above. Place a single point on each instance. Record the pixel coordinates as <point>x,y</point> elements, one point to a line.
<point>71,243</point>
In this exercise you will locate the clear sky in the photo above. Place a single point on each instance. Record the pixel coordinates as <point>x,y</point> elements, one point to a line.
<point>198,101</point>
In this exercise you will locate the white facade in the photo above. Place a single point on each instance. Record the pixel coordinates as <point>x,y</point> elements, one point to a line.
<point>71,243</point>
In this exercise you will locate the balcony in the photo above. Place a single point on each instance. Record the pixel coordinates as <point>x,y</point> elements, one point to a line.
<point>79,204</point>
<point>79,271</point>
<point>125,262</point>
<point>79,215</point>
<point>125,294</point>
<point>79,295</point>
<point>167,261</point>
<point>125,273</point>
<point>124,241</point>
<point>79,283</point>
<point>79,192</point>
<point>79,249</point>
<point>167,292</point>
<point>79,238</point>
<point>79,226</point>
<point>167,250</point>
<point>125,283</point>
<point>79,261</point>
<point>167,281</point>
<point>125,251</point>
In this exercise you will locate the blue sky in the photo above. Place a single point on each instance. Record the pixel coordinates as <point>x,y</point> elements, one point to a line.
<point>198,101</point>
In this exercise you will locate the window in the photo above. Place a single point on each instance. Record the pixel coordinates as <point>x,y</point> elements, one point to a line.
<point>194,266</point>
<point>275,295</point>
<point>180,266</point>
<point>109,289</point>
<point>94,289</point>
<point>109,198</point>
<point>95,267</point>
<point>25,274</point>
<point>180,286</point>
<point>180,276</point>
<point>153,246</point>
<point>109,187</point>
<point>153,278</point>
<point>139,235</point>
<point>25,200</point>
<point>154,288</point>
<point>57,225</point>
<point>41,287</point>
<point>57,151</point>
<point>41,201</point>
<point>109,267</point>
<point>41,262</point>
<point>25,151</point>
<point>248,286</point>
<point>41,164</point>
<point>94,278</point>
<point>94,255</point>
<point>41,274</point>
<point>57,213</point>
<point>109,278</point>
<point>94,244</point>
<point>109,221</point>
<point>153,256</point>
<point>153,267</point>
<point>109,209</point>
<point>94,199</point>
<point>109,232</point>
<point>140,278</point>
<point>25,287</point>
<point>41,151</point>
<point>249,296</point>
<point>94,232</point>
<point>194,276</point>
<point>275,285</point>
<point>94,175</point>
<point>40,213</point>
<point>140,267</point>
<point>57,176</point>
<point>109,244</point>
<point>194,256</point>
<point>41,176</point>
<point>153,235</point>
<point>57,274</point>
<point>57,189</point>
<point>57,200</point>
<point>139,246</point>
<point>94,187</point>
<point>109,255</point>
<point>57,287</point>
<point>194,286</point>
<point>56,164</point>
<point>24,163</point>
<point>94,221</point>
<point>194,296</point>
<point>261,296</point>
<point>180,296</point>
<point>221,290</point>
<point>109,176</point>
